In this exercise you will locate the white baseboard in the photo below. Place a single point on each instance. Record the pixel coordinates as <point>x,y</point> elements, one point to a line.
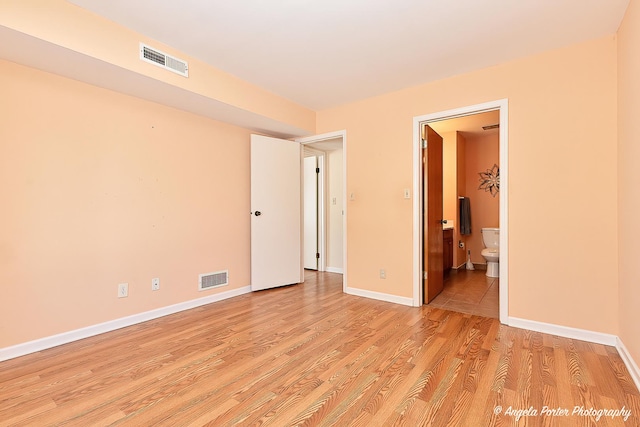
<point>632,366</point>
<point>564,331</point>
<point>78,334</point>
<point>379,296</point>
<point>334,270</point>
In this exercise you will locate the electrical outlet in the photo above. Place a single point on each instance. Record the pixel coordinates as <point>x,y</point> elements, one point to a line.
<point>155,284</point>
<point>461,244</point>
<point>383,273</point>
<point>123,290</point>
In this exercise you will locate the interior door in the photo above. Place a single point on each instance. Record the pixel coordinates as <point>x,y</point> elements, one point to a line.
<point>433,247</point>
<point>276,212</point>
<point>311,251</point>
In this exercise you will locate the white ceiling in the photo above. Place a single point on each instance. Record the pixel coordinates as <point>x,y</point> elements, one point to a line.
<point>323,53</point>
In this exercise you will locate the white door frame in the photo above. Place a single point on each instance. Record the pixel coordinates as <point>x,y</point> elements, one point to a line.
<point>323,137</point>
<point>502,105</point>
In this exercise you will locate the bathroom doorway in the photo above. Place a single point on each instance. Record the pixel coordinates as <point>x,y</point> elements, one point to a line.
<point>474,138</point>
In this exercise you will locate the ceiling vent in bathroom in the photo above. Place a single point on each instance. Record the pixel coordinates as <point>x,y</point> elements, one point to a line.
<point>489,127</point>
<point>161,59</point>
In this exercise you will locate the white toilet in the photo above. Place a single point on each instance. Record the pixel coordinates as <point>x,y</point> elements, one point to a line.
<point>491,240</point>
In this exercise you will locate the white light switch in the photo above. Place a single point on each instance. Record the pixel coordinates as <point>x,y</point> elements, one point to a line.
<point>407,193</point>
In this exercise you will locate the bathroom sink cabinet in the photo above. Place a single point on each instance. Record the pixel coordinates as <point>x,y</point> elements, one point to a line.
<point>447,240</point>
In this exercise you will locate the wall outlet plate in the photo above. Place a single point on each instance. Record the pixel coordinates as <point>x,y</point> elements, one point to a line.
<point>155,284</point>
<point>123,290</point>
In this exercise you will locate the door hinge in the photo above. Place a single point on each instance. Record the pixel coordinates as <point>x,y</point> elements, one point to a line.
<point>424,275</point>
<point>317,170</point>
<point>317,255</point>
<point>424,143</point>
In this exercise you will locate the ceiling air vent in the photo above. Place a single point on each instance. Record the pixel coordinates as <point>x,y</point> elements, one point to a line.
<point>161,59</point>
<point>213,280</point>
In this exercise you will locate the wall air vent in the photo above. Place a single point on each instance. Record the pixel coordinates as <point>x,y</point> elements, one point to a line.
<point>213,280</point>
<point>161,59</point>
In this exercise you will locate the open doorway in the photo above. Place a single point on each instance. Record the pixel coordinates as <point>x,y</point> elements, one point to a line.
<point>444,122</point>
<point>470,200</point>
<point>329,150</point>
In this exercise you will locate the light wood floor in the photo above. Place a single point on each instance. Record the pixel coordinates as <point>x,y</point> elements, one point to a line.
<point>311,355</point>
<point>471,292</point>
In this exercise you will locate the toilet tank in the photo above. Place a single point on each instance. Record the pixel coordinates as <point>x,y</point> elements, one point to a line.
<point>491,237</point>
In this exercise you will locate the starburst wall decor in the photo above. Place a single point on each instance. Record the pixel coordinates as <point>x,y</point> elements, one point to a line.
<point>490,180</point>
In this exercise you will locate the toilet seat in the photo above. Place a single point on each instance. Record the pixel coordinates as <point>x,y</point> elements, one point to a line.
<point>490,252</point>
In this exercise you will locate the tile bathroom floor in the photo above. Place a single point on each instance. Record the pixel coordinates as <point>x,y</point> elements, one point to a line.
<point>471,292</point>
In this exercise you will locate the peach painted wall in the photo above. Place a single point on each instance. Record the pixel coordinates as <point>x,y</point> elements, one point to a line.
<point>453,185</point>
<point>481,154</point>
<point>459,254</point>
<point>99,188</point>
<point>629,178</point>
<point>72,27</point>
<point>449,176</point>
<point>562,129</point>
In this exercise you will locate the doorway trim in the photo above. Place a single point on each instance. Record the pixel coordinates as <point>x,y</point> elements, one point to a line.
<point>502,105</point>
<point>324,137</point>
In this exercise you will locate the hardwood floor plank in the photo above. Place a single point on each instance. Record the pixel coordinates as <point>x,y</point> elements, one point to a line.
<point>16,414</point>
<point>413,382</point>
<point>478,412</point>
<point>392,366</point>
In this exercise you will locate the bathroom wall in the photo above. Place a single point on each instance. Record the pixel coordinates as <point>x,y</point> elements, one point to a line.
<point>482,152</point>
<point>459,254</point>
<point>449,177</point>
<point>454,185</point>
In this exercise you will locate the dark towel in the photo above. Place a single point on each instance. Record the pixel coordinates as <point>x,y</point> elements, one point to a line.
<point>465,215</point>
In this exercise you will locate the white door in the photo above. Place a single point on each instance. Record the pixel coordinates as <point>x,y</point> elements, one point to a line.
<point>311,213</point>
<point>276,212</point>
